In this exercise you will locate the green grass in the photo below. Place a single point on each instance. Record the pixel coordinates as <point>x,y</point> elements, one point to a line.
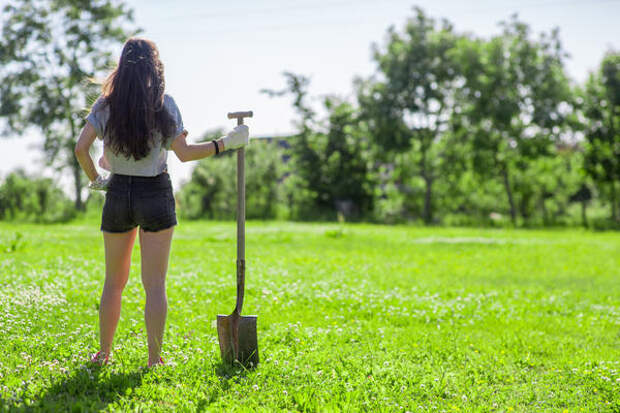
<point>354,317</point>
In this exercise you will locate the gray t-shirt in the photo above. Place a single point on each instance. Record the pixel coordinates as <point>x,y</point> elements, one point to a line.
<point>151,165</point>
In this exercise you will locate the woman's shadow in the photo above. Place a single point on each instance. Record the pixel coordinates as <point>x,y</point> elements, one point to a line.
<point>87,388</point>
<point>90,387</point>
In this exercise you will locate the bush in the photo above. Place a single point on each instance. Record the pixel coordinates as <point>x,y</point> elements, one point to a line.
<point>33,199</point>
<point>212,190</point>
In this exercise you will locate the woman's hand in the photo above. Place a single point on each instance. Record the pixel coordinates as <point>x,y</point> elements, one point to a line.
<point>237,138</point>
<point>100,183</point>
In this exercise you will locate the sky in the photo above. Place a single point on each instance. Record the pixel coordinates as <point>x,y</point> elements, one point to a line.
<point>219,55</point>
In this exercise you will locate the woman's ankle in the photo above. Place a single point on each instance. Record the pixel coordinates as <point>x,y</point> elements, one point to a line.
<point>158,361</point>
<point>100,358</point>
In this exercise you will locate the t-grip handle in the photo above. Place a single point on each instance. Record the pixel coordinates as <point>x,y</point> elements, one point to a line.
<point>240,115</point>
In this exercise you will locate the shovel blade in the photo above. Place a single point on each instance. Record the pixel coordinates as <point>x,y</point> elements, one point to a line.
<point>243,341</point>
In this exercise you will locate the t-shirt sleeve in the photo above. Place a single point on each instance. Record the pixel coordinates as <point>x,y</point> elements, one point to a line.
<point>96,117</point>
<point>174,111</point>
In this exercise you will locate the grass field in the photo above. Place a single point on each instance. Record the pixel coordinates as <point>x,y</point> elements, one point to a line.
<point>353,317</point>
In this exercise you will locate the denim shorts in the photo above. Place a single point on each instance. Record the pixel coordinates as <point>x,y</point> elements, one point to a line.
<point>146,201</point>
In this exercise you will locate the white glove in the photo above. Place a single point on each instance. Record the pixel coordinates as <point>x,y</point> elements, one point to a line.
<point>237,138</point>
<point>99,184</point>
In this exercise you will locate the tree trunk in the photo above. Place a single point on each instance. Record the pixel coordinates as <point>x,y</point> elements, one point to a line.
<point>614,207</point>
<point>76,168</point>
<point>545,215</point>
<point>513,210</point>
<point>428,183</point>
<point>77,177</point>
<point>584,215</point>
<point>428,197</point>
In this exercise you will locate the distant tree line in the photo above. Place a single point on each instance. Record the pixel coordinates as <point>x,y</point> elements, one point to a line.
<point>451,129</point>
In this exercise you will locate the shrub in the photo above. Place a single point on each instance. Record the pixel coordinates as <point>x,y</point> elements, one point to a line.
<point>34,199</point>
<point>212,189</point>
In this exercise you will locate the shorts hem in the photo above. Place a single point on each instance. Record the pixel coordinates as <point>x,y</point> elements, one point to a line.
<point>117,231</point>
<point>159,229</point>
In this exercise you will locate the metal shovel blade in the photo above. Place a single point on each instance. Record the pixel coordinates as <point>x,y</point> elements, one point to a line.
<point>238,339</point>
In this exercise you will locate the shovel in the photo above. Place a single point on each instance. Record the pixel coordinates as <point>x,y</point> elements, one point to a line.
<point>237,333</point>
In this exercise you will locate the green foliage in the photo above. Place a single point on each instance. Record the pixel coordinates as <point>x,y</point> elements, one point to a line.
<point>12,244</point>
<point>602,130</point>
<point>50,51</point>
<point>33,199</point>
<point>389,204</point>
<point>330,164</point>
<point>399,194</point>
<point>350,318</point>
<point>212,192</point>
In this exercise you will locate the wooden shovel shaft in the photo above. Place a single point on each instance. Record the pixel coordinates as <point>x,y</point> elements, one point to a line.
<point>240,225</point>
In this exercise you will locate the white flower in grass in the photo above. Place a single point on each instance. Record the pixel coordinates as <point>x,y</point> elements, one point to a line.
<point>255,387</point>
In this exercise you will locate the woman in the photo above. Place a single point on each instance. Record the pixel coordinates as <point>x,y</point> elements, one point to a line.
<point>138,124</point>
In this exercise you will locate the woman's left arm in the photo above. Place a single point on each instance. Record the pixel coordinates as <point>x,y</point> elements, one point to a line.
<point>82,147</point>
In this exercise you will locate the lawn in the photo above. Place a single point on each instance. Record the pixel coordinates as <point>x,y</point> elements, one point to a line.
<point>352,317</point>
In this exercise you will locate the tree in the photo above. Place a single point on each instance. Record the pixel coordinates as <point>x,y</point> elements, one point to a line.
<point>49,53</point>
<point>516,100</point>
<point>602,111</point>
<point>329,163</point>
<point>346,165</point>
<point>409,103</point>
<point>305,183</point>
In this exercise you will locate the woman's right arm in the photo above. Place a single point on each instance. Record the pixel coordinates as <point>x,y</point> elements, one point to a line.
<point>190,152</point>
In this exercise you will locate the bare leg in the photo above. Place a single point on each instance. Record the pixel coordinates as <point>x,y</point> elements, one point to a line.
<point>155,250</point>
<point>118,249</point>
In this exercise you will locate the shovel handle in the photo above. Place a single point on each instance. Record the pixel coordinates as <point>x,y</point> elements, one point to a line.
<point>240,225</point>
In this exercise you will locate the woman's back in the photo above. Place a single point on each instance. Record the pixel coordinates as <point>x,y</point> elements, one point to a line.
<point>154,163</point>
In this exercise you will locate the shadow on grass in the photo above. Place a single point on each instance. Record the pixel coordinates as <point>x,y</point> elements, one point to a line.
<point>88,388</point>
<point>94,388</point>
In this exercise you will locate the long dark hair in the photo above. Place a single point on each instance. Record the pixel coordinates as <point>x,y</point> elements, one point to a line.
<point>134,92</point>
